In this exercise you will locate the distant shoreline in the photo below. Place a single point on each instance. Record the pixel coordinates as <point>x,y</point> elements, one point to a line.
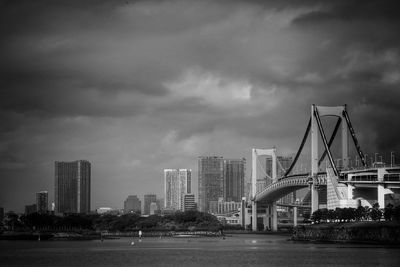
<point>55,236</point>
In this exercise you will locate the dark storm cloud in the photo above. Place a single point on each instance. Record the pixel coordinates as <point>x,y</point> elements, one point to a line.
<point>364,34</point>
<point>352,10</point>
<point>71,94</point>
<point>54,60</point>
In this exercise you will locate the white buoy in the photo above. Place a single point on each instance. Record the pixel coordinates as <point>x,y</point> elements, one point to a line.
<point>132,243</point>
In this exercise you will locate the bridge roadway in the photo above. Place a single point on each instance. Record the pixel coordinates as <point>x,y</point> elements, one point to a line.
<point>369,177</point>
<point>287,185</point>
<point>385,180</point>
<point>390,176</point>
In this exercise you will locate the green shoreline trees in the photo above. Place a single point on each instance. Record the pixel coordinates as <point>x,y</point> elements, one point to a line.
<point>184,221</point>
<point>373,213</point>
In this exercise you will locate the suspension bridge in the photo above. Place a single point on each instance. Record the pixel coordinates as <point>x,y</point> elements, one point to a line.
<point>343,187</point>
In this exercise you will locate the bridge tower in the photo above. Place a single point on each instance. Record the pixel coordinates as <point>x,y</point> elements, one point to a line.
<point>273,191</point>
<point>271,210</point>
<point>316,127</point>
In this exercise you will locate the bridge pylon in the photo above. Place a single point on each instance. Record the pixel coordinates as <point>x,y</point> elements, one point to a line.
<point>273,211</point>
<point>289,182</point>
<point>316,127</point>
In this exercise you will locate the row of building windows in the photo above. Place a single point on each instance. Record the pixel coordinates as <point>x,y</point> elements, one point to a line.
<point>393,177</point>
<point>365,178</point>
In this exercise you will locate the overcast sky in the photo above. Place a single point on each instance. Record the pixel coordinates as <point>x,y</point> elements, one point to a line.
<point>138,86</point>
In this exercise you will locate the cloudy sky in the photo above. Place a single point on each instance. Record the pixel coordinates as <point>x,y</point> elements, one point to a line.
<point>138,86</point>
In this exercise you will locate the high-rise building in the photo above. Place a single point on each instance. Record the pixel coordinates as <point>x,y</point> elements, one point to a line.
<point>178,182</point>
<point>42,201</point>
<point>234,171</point>
<point>132,204</point>
<point>148,199</point>
<point>189,202</point>
<point>211,181</point>
<point>224,207</point>
<point>160,203</point>
<point>171,189</point>
<point>72,186</point>
<point>153,208</point>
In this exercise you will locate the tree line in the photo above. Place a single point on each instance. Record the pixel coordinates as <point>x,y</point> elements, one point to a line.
<point>179,221</point>
<point>374,213</point>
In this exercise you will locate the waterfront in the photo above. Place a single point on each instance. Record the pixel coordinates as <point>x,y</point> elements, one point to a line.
<point>235,250</point>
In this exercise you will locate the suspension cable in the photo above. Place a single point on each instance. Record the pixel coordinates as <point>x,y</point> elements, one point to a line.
<point>280,164</point>
<point>322,133</point>
<point>353,135</point>
<point>330,140</point>
<point>300,149</point>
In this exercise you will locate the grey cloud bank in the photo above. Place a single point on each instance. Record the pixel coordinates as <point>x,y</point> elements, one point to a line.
<point>138,86</point>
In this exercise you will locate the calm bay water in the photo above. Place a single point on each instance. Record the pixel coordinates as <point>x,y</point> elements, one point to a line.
<point>235,250</point>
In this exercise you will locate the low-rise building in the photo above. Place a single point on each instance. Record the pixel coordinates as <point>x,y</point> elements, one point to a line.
<point>189,202</point>
<point>29,209</point>
<point>224,207</point>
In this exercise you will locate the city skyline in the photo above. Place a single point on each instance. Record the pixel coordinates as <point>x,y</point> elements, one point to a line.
<point>138,87</point>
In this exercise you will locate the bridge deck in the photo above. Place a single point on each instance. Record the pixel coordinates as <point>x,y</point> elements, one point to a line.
<point>361,177</point>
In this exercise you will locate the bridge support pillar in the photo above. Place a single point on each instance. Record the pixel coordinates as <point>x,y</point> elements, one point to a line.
<point>266,220</point>
<point>314,160</point>
<point>294,216</point>
<point>254,216</point>
<point>381,196</point>
<point>314,198</point>
<point>350,189</point>
<point>345,143</point>
<point>272,217</point>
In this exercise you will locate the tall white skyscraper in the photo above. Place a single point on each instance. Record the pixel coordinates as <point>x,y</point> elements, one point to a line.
<point>178,183</point>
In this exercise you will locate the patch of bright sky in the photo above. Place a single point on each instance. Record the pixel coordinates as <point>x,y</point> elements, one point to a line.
<point>210,87</point>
